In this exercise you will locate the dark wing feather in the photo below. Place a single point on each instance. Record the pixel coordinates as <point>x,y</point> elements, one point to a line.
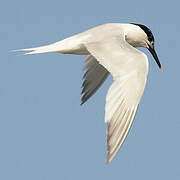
<point>94,77</point>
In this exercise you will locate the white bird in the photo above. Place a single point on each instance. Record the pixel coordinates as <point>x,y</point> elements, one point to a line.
<point>111,48</point>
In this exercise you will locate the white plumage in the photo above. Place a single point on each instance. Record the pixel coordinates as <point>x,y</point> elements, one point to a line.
<point>110,48</point>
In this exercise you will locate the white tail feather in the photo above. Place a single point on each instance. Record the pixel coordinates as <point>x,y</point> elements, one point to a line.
<point>55,47</point>
<point>71,45</point>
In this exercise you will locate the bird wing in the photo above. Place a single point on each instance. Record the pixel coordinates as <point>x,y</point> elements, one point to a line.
<point>94,77</point>
<point>129,68</point>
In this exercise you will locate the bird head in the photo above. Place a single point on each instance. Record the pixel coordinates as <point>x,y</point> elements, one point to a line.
<point>141,36</point>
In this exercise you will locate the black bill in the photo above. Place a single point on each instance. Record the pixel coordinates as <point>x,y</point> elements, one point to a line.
<point>153,52</point>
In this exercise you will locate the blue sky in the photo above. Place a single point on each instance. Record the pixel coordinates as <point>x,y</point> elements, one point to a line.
<point>44,132</point>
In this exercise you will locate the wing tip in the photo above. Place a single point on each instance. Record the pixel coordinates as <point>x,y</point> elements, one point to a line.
<point>109,158</point>
<point>82,102</point>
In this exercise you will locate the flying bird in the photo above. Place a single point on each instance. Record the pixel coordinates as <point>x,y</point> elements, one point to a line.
<point>111,49</point>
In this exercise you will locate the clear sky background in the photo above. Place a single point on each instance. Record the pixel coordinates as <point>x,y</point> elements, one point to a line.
<point>44,132</point>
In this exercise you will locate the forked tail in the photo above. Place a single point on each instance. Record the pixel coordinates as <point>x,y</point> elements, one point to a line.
<point>55,47</point>
<point>71,45</point>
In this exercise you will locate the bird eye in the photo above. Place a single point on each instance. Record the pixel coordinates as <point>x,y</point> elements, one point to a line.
<point>150,39</point>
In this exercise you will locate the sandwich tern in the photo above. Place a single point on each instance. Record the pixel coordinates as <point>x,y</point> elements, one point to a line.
<point>111,49</point>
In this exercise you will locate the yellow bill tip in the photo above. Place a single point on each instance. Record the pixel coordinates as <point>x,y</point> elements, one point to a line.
<point>161,69</point>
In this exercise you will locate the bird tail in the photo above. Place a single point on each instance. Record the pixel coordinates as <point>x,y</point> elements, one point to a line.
<point>71,45</point>
<point>55,47</point>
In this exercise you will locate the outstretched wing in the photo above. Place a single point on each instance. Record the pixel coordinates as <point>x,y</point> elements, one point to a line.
<point>94,77</point>
<point>121,104</point>
<point>129,68</point>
